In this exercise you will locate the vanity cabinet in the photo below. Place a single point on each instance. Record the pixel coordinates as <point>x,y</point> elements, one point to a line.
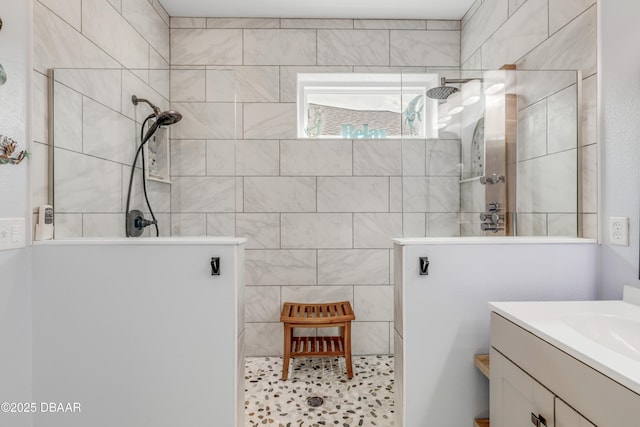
<point>529,377</point>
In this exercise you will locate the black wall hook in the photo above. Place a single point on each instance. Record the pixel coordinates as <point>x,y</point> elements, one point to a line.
<point>424,266</point>
<point>215,266</point>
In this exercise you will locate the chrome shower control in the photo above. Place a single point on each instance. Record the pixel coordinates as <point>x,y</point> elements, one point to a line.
<point>493,179</point>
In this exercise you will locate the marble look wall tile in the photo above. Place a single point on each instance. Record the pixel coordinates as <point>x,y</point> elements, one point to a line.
<point>530,23</point>
<point>257,84</point>
<point>316,158</point>
<point>279,194</point>
<point>563,120</point>
<point>473,63</point>
<point>40,174</point>
<point>39,108</point>
<point>206,47</point>
<point>317,23</point>
<point>257,157</point>
<point>514,5</point>
<point>373,303</point>
<point>571,48</point>
<point>182,22</point>
<point>443,24</point>
<point>370,338</point>
<point>548,184</point>
<point>188,157</point>
<point>68,226</point>
<point>159,194</point>
<point>478,25</point>
<point>589,111</point>
<point>220,85</point>
<point>132,84</point>
<point>243,23</point>
<point>431,194</point>
<point>395,193</point>
<point>262,304</point>
<point>98,84</point>
<point>413,157</point>
<point>261,230</point>
<point>280,267</point>
<point>86,184</point>
<point>142,15</point>
<point>470,12</point>
<point>103,225</point>
<point>414,225</point>
<point>203,194</point>
<point>188,85</point>
<point>67,121</point>
<point>205,121</point>
<point>472,197</point>
<point>117,4</point>
<point>188,224</point>
<point>161,11</point>
<point>318,294</point>
<point>57,44</point>
<point>375,230</point>
<point>353,194</point>
<point>390,24</point>
<point>562,12</point>
<point>353,47</point>
<point>108,29</point>
<point>279,47</point>
<point>470,224</point>
<point>221,224</point>
<point>317,230</point>
<point>239,194</point>
<point>589,178</point>
<point>443,157</point>
<point>532,135</point>
<point>221,158</point>
<point>353,267</point>
<point>435,48</point>
<point>263,339</point>
<point>443,224</point>
<point>534,86</point>
<point>107,134</point>
<point>288,79</point>
<point>377,157</point>
<point>269,121</point>
<point>69,10</point>
<point>562,225</point>
<point>590,226</point>
<point>532,224</point>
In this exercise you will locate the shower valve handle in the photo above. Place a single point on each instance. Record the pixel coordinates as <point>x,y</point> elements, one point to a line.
<point>493,179</point>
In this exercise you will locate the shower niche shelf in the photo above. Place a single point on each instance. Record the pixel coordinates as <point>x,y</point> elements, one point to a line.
<point>158,157</point>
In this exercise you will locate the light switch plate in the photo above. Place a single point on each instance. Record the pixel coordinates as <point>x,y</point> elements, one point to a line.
<point>12,233</point>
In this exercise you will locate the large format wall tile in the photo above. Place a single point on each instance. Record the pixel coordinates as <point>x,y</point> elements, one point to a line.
<point>481,24</point>
<point>389,24</point>
<point>142,15</point>
<point>375,230</point>
<point>191,225</point>
<point>257,84</point>
<point>431,194</point>
<point>563,12</point>
<point>353,194</point>
<point>69,10</point>
<point>263,339</point>
<point>442,157</point>
<point>279,47</point>
<point>530,23</point>
<point>563,120</point>
<point>262,304</point>
<point>187,22</point>
<point>370,337</point>
<point>132,84</point>
<point>353,267</point>
<point>317,294</point>
<point>262,230</point>
<point>289,78</point>
<point>316,157</point>
<point>280,267</point>
<point>269,121</point>
<point>279,194</point>
<point>317,230</point>
<point>96,84</point>
<point>188,157</point>
<point>107,134</point>
<point>205,121</point>
<point>353,47</point>
<point>203,194</point>
<point>221,158</point>
<point>373,303</point>
<point>317,23</point>
<point>438,48</point>
<point>220,86</point>
<point>221,224</point>
<point>243,23</point>
<point>103,25</point>
<point>257,157</point>
<point>377,157</point>
<point>532,131</point>
<point>188,85</point>
<point>206,47</point>
<point>67,121</point>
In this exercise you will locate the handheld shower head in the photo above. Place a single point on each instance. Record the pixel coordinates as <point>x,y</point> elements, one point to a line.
<point>165,118</point>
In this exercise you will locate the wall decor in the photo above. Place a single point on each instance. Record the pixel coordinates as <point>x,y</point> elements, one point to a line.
<point>3,75</point>
<point>8,155</point>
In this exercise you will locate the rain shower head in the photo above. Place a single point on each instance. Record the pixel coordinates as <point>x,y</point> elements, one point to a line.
<point>443,91</point>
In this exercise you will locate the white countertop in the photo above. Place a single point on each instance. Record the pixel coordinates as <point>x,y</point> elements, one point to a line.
<point>545,320</point>
<point>489,240</point>
<point>145,241</point>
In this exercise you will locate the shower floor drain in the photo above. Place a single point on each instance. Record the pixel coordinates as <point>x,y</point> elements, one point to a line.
<point>315,401</point>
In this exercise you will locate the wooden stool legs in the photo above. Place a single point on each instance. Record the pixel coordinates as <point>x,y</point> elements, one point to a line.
<point>288,336</point>
<point>346,336</point>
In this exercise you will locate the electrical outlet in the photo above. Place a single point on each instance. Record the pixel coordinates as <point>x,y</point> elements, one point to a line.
<point>12,233</point>
<point>619,230</point>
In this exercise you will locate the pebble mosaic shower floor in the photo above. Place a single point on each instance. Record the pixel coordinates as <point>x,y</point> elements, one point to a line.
<point>366,400</point>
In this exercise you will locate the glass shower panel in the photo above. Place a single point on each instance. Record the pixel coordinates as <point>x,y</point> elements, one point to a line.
<point>505,161</point>
<point>96,130</point>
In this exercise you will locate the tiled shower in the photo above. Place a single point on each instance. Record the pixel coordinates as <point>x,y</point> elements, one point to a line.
<point>235,159</point>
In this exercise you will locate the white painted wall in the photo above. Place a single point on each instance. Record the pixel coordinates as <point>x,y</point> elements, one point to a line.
<point>620,132</point>
<point>445,318</point>
<point>15,311</point>
<point>138,333</point>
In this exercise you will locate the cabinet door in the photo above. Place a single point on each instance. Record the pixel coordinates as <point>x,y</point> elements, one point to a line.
<point>518,399</point>
<point>568,417</point>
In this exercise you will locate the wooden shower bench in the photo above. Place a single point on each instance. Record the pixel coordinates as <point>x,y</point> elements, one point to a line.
<point>328,315</point>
